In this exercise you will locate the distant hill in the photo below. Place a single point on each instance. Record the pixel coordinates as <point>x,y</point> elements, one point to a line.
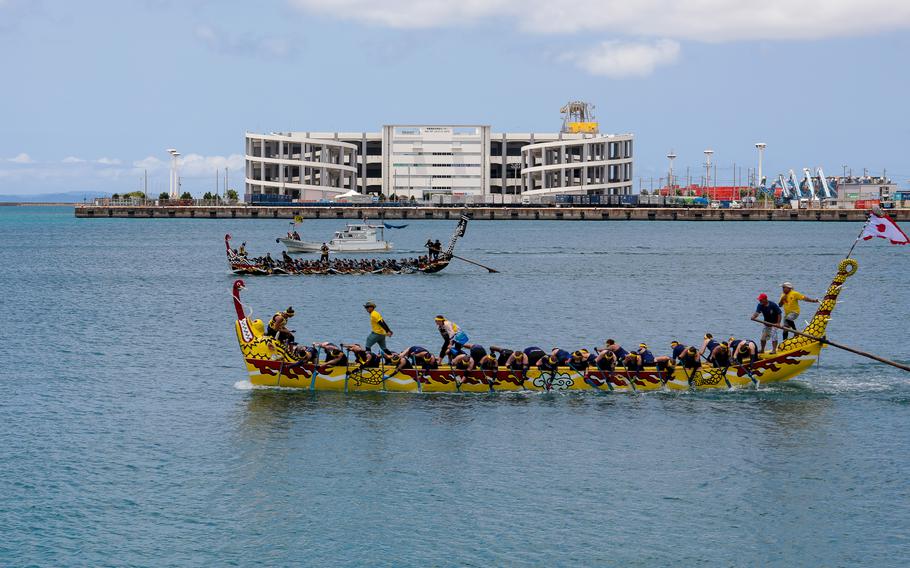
<point>64,197</point>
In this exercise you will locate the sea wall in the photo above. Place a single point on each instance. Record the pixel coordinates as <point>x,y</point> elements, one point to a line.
<point>479,213</point>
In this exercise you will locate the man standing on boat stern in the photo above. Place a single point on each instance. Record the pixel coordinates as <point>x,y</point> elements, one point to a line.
<point>789,303</point>
<point>378,329</point>
<point>771,313</point>
<point>324,249</point>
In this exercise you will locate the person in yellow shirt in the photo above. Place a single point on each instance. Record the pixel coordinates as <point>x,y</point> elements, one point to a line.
<point>378,329</point>
<point>789,303</point>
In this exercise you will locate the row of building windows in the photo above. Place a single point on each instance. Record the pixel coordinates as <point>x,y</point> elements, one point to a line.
<point>435,176</point>
<point>436,154</point>
<point>436,165</point>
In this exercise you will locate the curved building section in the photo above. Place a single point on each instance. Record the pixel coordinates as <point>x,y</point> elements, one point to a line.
<point>298,166</point>
<point>590,165</point>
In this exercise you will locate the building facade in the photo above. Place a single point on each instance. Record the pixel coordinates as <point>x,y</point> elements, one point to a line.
<point>436,162</point>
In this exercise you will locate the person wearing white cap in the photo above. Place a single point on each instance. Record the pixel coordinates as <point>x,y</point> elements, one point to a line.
<point>789,303</point>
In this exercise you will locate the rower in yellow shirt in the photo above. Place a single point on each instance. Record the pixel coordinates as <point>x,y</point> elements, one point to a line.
<point>379,330</point>
<point>789,303</point>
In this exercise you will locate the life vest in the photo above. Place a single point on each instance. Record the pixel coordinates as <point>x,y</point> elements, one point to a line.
<point>722,357</point>
<point>519,359</point>
<point>272,323</point>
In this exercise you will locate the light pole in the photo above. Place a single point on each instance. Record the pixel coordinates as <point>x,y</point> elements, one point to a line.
<point>845,170</point>
<point>708,153</point>
<point>761,152</point>
<point>175,178</point>
<point>516,169</point>
<point>671,156</point>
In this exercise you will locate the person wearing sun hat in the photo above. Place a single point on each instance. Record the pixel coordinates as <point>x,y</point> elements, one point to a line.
<point>379,330</point>
<point>771,313</point>
<point>789,303</point>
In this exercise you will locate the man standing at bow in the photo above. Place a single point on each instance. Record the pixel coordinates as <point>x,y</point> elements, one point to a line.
<point>789,303</point>
<point>772,314</point>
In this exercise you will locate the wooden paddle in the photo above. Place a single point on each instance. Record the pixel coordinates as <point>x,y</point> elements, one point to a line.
<point>491,270</point>
<point>827,341</point>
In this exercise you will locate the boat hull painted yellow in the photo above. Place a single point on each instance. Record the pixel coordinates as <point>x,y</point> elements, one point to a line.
<point>269,364</point>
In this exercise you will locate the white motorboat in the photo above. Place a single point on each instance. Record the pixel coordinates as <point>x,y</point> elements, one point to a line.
<point>357,237</point>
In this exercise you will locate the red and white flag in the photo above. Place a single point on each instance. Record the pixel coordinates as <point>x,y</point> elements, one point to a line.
<point>885,228</point>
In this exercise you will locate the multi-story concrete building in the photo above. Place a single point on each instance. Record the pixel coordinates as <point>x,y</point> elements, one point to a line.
<point>426,161</point>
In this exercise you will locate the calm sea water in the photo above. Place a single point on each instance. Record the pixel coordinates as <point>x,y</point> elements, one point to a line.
<point>129,435</point>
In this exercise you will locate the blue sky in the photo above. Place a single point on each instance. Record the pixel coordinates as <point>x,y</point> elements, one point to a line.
<point>94,92</point>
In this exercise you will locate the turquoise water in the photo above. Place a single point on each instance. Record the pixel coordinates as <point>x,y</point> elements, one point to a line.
<point>130,436</point>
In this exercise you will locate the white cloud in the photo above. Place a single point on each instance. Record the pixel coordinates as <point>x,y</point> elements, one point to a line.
<point>150,163</point>
<point>624,59</point>
<point>22,158</point>
<point>73,160</point>
<point>196,165</point>
<point>222,42</point>
<point>192,165</point>
<point>697,20</point>
<point>108,161</point>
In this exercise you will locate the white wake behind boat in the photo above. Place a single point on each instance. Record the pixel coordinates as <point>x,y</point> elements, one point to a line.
<point>358,237</point>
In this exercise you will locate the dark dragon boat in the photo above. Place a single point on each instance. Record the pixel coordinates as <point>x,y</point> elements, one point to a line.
<point>270,363</point>
<point>262,266</point>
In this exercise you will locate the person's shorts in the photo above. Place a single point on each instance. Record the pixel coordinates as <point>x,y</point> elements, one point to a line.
<point>792,316</point>
<point>771,333</point>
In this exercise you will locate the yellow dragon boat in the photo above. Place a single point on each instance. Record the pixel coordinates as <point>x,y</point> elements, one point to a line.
<point>270,364</point>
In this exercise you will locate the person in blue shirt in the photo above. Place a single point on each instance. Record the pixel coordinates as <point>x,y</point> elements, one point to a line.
<point>708,347</point>
<point>743,349</point>
<point>581,360</point>
<point>616,348</point>
<point>666,363</point>
<point>557,358</point>
<point>771,313</point>
<point>647,358</point>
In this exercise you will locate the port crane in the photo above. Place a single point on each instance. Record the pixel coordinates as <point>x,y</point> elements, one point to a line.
<point>810,186</point>
<point>795,190</point>
<point>827,192</point>
<point>785,194</point>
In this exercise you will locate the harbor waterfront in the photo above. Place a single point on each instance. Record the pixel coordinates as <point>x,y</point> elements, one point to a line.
<point>133,436</point>
<point>494,213</point>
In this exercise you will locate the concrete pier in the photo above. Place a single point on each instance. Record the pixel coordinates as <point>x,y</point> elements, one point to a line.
<point>478,213</point>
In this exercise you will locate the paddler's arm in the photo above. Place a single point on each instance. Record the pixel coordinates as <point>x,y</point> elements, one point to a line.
<point>383,325</point>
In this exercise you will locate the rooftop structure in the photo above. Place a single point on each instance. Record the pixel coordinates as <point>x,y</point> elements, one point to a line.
<point>441,161</point>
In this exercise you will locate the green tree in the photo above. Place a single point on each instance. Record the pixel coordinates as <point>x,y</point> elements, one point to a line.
<point>186,195</point>
<point>115,196</point>
<point>136,194</point>
<point>163,196</point>
<point>207,195</point>
<point>232,195</point>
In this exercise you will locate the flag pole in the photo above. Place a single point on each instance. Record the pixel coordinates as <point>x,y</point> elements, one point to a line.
<point>861,231</point>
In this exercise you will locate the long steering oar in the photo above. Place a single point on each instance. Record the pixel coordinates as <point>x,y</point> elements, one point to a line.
<point>841,346</point>
<point>491,270</point>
